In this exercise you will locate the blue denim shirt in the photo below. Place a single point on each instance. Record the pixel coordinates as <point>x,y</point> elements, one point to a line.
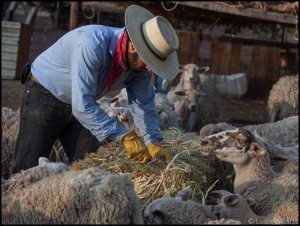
<point>75,70</point>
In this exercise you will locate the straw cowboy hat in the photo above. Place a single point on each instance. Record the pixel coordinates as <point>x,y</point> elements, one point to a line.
<point>155,40</point>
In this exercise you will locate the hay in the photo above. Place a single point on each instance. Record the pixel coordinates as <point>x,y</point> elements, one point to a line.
<point>156,179</point>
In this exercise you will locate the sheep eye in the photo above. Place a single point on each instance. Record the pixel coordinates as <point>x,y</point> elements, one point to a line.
<point>240,140</point>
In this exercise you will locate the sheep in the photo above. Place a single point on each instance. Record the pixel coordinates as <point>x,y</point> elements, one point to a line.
<point>166,114</point>
<point>196,108</point>
<point>283,159</point>
<point>195,97</point>
<point>178,210</point>
<point>10,129</point>
<point>31,175</point>
<point>187,78</point>
<point>284,132</point>
<point>90,196</point>
<point>254,175</point>
<point>235,206</point>
<point>283,100</point>
<point>124,116</point>
<point>121,99</point>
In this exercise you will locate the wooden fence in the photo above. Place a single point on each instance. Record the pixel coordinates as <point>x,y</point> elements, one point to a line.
<point>260,60</point>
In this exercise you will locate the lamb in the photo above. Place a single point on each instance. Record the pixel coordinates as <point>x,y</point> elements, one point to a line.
<point>34,174</point>
<point>178,210</point>
<point>91,196</point>
<point>284,132</point>
<point>254,176</point>
<point>166,115</point>
<point>124,116</point>
<point>283,100</point>
<point>121,99</point>
<point>235,206</point>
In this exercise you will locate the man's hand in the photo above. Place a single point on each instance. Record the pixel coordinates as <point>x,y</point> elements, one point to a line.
<point>158,152</point>
<point>135,148</point>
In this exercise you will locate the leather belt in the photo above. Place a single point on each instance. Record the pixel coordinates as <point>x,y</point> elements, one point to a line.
<point>34,79</point>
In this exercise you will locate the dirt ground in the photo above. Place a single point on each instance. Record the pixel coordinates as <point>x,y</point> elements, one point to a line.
<point>246,110</point>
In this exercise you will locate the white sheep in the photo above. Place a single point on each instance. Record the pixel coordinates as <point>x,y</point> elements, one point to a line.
<point>10,130</point>
<point>235,206</point>
<point>34,174</point>
<point>197,101</point>
<point>166,115</point>
<point>124,116</point>
<point>178,210</point>
<point>188,78</point>
<point>284,132</point>
<point>274,136</point>
<point>10,127</point>
<point>91,196</point>
<point>254,176</point>
<point>283,100</point>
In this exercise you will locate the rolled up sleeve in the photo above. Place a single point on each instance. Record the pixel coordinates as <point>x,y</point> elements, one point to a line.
<point>84,66</point>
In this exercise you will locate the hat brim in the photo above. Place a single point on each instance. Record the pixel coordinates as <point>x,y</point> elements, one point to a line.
<point>135,16</point>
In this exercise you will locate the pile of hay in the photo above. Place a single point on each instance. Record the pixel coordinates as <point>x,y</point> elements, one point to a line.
<point>156,179</point>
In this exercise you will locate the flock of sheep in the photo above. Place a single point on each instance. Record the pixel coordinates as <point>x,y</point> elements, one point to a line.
<point>264,157</point>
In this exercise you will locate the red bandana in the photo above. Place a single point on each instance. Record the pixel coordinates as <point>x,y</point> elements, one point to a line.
<point>119,62</point>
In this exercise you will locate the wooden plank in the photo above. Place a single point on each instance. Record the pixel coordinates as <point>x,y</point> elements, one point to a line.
<point>235,58</point>
<point>242,12</point>
<point>214,56</point>
<point>273,65</point>
<point>9,48</point>
<point>8,57</point>
<point>188,45</point>
<point>24,48</point>
<point>8,74</point>
<point>258,68</point>
<point>10,40</point>
<point>31,15</point>
<point>8,64</point>
<point>105,6</point>
<point>10,24</point>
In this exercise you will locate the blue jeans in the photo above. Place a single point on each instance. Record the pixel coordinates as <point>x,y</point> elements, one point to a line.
<point>43,119</point>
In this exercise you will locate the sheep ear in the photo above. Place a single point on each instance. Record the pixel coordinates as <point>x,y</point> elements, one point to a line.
<point>257,149</point>
<point>43,161</point>
<point>203,69</point>
<point>157,214</point>
<point>184,194</point>
<point>213,198</point>
<point>251,202</point>
<point>180,92</point>
<point>114,100</point>
<point>231,199</point>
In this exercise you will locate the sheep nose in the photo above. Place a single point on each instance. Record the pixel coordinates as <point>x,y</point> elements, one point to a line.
<point>193,107</point>
<point>204,142</point>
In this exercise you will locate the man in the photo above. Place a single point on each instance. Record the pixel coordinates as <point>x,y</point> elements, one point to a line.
<point>81,67</point>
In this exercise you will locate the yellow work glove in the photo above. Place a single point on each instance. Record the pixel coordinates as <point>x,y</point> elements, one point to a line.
<point>135,148</point>
<point>158,152</point>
